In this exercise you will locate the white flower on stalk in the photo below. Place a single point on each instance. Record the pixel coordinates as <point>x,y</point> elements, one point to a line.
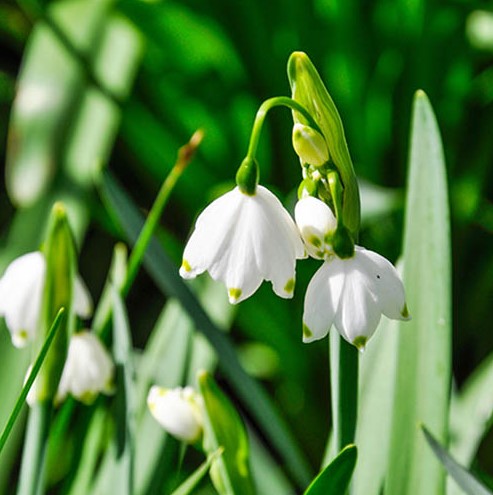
<point>88,369</point>
<point>317,224</point>
<point>21,293</point>
<point>179,411</point>
<point>352,294</point>
<point>242,239</point>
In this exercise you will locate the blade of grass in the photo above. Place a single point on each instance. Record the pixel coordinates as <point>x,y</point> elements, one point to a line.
<point>423,357</point>
<point>463,478</point>
<point>165,274</point>
<point>30,379</point>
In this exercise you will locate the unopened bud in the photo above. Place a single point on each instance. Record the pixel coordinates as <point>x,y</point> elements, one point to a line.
<point>310,145</point>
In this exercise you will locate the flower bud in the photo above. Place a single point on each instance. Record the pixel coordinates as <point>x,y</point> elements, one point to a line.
<point>178,411</point>
<point>317,225</point>
<point>309,145</point>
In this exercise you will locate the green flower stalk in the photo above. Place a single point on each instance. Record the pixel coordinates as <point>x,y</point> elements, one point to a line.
<point>58,292</point>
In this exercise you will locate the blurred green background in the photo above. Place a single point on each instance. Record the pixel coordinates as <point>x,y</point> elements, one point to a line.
<point>92,84</point>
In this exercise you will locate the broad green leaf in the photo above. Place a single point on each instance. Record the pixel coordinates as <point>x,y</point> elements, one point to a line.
<point>424,344</point>
<point>194,479</point>
<point>375,404</point>
<point>471,413</point>
<point>223,427</point>
<point>463,478</point>
<point>165,274</point>
<point>335,478</point>
<point>471,416</point>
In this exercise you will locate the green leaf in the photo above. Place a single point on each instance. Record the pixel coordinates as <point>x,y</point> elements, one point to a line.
<point>471,413</point>
<point>223,427</point>
<point>165,274</point>
<point>463,478</point>
<point>335,478</point>
<point>375,404</point>
<point>424,344</point>
<point>194,479</point>
<point>125,380</point>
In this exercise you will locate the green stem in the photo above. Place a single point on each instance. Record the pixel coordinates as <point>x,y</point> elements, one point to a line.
<point>185,155</point>
<point>344,391</point>
<point>33,456</point>
<point>278,101</point>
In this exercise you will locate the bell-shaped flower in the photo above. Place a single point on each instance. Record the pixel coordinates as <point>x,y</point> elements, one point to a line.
<point>352,294</point>
<point>242,239</point>
<point>21,294</point>
<point>317,224</point>
<point>179,411</point>
<point>88,370</point>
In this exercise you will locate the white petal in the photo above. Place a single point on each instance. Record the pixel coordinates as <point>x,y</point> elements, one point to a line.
<point>177,411</point>
<point>316,223</point>
<point>20,296</point>
<point>384,282</point>
<point>358,314</point>
<point>82,299</point>
<point>322,300</point>
<point>213,231</point>
<point>276,243</point>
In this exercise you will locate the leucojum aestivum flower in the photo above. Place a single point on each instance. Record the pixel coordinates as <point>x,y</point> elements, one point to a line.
<point>247,236</point>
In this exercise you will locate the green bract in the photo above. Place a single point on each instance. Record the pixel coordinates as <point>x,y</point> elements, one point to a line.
<point>308,89</point>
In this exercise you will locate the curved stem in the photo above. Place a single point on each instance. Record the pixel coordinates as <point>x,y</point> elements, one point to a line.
<point>278,101</point>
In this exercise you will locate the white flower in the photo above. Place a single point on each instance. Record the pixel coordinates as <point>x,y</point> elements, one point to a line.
<point>316,223</point>
<point>21,293</point>
<point>352,294</point>
<point>178,411</point>
<point>88,369</point>
<point>242,240</point>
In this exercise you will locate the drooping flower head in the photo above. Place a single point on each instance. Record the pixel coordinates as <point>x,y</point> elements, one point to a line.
<point>179,411</point>
<point>242,239</point>
<point>352,294</point>
<point>88,370</point>
<point>21,293</point>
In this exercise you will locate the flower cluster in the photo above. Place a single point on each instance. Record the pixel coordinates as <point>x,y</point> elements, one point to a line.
<point>247,236</point>
<point>88,369</point>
